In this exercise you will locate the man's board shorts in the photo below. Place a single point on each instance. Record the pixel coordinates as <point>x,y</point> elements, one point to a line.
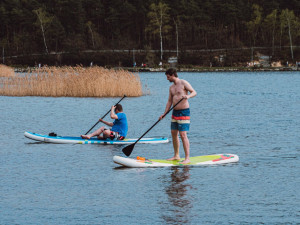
<point>181,120</point>
<point>114,135</point>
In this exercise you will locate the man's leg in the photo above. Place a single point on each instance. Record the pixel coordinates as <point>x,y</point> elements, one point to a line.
<point>186,146</point>
<point>96,133</point>
<point>176,145</point>
<point>107,134</point>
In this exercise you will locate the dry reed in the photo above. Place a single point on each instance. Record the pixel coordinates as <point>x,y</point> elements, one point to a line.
<point>73,82</point>
<point>6,71</point>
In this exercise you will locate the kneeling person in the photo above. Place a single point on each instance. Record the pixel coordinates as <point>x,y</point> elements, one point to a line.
<point>118,129</point>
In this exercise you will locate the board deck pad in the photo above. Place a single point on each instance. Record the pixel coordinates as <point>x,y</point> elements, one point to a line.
<point>79,140</point>
<point>197,160</point>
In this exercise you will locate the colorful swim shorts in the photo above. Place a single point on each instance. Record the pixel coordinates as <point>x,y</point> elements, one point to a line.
<point>114,135</point>
<point>181,120</point>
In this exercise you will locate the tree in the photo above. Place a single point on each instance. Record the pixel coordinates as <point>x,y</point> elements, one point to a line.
<point>177,35</point>
<point>56,34</point>
<point>44,20</point>
<point>31,26</point>
<point>193,23</point>
<point>89,25</point>
<point>254,25</point>
<point>159,22</point>
<point>269,25</point>
<point>291,22</point>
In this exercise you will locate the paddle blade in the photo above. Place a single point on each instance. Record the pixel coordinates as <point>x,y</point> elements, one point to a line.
<point>128,149</point>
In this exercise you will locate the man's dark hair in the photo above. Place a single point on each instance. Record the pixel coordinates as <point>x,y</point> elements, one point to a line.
<point>119,107</point>
<point>171,72</point>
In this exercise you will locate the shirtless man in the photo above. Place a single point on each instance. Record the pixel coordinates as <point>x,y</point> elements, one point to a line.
<point>181,113</point>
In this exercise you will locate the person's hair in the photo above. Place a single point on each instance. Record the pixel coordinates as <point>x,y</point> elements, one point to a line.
<point>119,107</point>
<point>171,72</point>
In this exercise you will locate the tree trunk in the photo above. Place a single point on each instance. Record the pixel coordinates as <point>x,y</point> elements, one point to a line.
<point>3,56</point>
<point>176,38</point>
<point>160,33</point>
<point>43,32</point>
<point>38,13</point>
<point>290,36</point>
<point>273,38</point>
<point>92,36</point>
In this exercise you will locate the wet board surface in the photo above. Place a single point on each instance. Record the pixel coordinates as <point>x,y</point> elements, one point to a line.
<point>195,161</point>
<point>79,140</point>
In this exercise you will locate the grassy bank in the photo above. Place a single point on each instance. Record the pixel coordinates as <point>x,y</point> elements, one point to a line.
<point>71,82</point>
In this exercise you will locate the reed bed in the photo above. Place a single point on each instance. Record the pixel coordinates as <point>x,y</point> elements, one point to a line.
<point>73,82</point>
<point>6,71</point>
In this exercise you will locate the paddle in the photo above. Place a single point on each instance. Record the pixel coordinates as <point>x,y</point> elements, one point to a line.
<point>128,149</point>
<point>105,115</point>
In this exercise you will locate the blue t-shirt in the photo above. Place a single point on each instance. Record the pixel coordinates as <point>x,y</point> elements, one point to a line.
<point>120,124</point>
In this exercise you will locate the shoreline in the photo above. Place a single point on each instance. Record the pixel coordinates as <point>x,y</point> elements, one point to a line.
<point>189,69</point>
<point>214,69</point>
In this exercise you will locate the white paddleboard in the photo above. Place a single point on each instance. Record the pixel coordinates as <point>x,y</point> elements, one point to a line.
<point>195,161</point>
<point>79,140</point>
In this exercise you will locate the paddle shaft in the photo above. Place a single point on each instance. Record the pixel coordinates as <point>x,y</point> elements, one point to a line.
<point>158,121</point>
<point>105,115</point>
<point>128,149</point>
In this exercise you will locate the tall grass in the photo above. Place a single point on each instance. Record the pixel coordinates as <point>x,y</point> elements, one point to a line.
<point>6,71</point>
<point>73,82</point>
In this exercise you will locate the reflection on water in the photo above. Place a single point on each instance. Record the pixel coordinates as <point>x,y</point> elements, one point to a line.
<point>178,208</point>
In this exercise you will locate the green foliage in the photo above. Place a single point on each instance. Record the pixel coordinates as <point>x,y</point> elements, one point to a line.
<point>31,26</point>
<point>291,23</point>
<point>254,24</point>
<point>159,18</point>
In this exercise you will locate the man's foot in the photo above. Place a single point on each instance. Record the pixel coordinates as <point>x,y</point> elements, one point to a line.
<point>186,161</point>
<point>85,136</point>
<point>173,158</point>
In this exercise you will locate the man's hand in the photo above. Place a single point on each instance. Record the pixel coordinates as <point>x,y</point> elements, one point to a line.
<point>161,117</point>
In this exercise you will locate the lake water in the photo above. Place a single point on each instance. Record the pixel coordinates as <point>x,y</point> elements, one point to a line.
<point>253,115</point>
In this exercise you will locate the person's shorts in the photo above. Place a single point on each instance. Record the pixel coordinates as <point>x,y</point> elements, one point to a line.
<point>181,120</point>
<point>114,135</point>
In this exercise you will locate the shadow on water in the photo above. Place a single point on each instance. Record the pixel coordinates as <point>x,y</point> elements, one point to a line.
<point>37,143</point>
<point>177,210</point>
<point>120,168</point>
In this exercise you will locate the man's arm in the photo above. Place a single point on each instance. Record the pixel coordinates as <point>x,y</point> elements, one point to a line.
<point>169,104</point>
<point>106,123</point>
<point>113,115</point>
<point>190,89</point>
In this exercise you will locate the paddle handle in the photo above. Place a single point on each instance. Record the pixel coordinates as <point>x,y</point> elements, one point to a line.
<point>104,115</point>
<point>159,120</point>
